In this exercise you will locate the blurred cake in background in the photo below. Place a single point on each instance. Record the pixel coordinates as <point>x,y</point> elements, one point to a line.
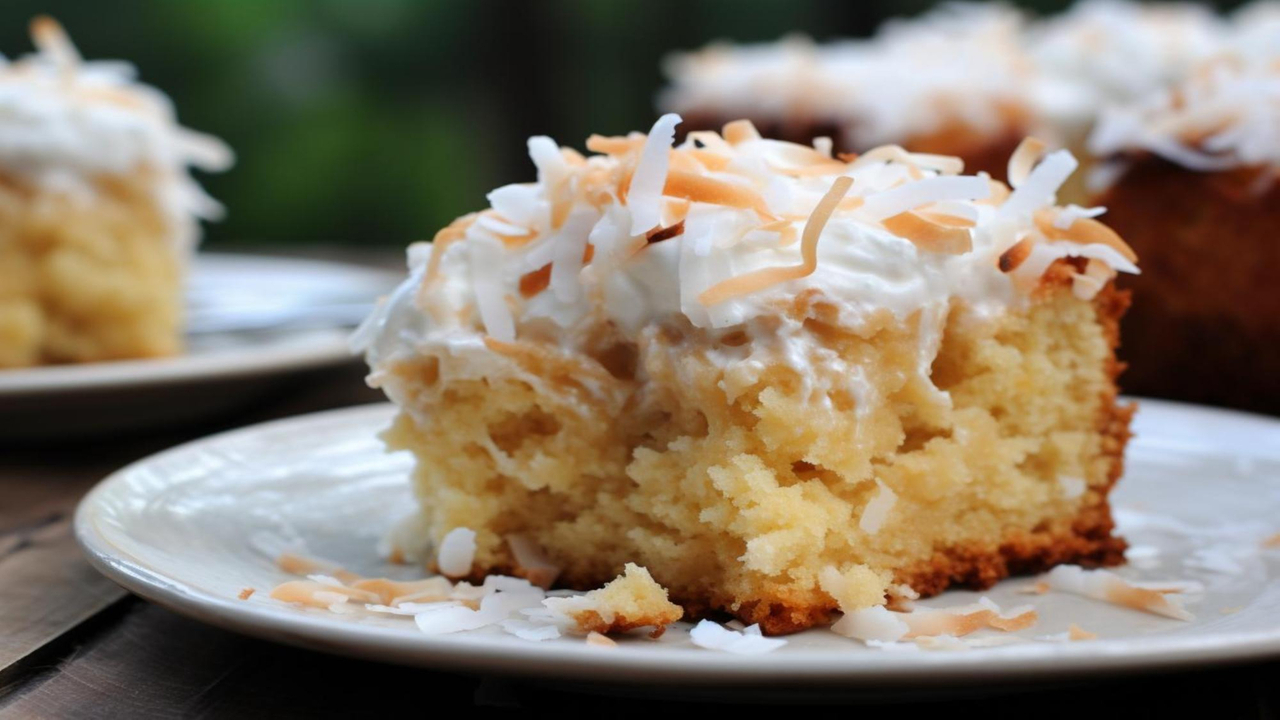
<point>98,214</point>
<point>1192,180</point>
<point>969,80</point>
<point>954,81</point>
<point>785,383</point>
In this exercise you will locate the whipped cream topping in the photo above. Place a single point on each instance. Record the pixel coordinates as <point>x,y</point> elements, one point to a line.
<point>1226,115</point>
<point>1102,52</point>
<point>65,121</point>
<point>986,67</point>
<point>724,232</point>
<point>960,63</point>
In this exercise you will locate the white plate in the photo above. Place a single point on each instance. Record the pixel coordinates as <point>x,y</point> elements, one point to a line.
<point>221,369</point>
<point>1203,487</point>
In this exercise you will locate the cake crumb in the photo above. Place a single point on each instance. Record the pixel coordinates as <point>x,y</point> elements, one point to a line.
<point>595,638</point>
<point>631,600</point>
<point>246,593</point>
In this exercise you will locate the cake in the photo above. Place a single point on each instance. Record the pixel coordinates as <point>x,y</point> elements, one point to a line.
<point>1191,179</point>
<point>97,211</point>
<point>964,79</point>
<point>785,384</point>
<point>954,81</point>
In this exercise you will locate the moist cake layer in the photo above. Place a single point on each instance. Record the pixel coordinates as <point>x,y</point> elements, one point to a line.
<point>783,383</point>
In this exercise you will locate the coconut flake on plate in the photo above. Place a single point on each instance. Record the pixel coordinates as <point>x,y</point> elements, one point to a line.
<point>494,608</point>
<point>531,562</point>
<point>714,636</point>
<point>882,625</point>
<point>1111,588</point>
<point>528,630</point>
<point>598,640</point>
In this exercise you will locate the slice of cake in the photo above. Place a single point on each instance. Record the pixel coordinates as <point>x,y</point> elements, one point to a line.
<point>97,212</point>
<point>781,382</point>
<point>1193,179</point>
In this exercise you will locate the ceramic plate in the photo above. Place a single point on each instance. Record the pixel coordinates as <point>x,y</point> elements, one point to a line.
<point>254,321</point>
<point>181,528</point>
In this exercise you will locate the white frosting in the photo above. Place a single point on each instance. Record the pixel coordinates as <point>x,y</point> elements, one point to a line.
<point>65,121</point>
<point>1110,51</point>
<point>862,268</point>
<point>960,63</point>
<point>1226,115</point>
<point>969,64</point>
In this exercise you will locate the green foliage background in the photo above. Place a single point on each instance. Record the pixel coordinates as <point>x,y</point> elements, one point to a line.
<point>377,121</point>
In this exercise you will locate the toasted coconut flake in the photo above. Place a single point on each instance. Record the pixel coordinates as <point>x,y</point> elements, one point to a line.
<point>740,131</point>
<point>876,513</point>
<point>1024,158</point>
<point>1013,257</point>
<point>534,282</point>
<point>1040,186</point>
<point>454,232</point>
<point>760,279</point>
<point>246,593</point>
<point>708,160</point>
<point>51,40</point>
<point>615,145</point>
<point>701,188</point>
<point>1109,587</point>
<point>943,164</point>
<point>598,640</point>
<point>393,592</point>
<point>1039,587</point>
<point>645,192</point>
<point>1083,231</point>
<point>1272,542</point>
<point>531,562</point>
<point>912,195</point>
<point>1076,633</point>
<point>666,233</point>
<point>296,564</point>
<point>961,621</point>
<point>314,593</point>
<point>1088,284</point>
<point>457,552</point>
<point>929,235</point>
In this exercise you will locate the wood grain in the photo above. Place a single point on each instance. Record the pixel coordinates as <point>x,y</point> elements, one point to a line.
<point>46,586</point>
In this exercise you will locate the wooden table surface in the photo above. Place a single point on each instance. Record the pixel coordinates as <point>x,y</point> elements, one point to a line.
<point>72,644</point>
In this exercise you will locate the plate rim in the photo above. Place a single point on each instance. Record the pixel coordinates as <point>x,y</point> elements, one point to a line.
<point>325,348</point>
<point>676,666</point>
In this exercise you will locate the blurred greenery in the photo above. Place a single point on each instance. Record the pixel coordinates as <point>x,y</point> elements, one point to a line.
<point>377,121</point>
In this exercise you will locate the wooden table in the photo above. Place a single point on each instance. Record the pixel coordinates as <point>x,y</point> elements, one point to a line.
<point>72,644</point>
